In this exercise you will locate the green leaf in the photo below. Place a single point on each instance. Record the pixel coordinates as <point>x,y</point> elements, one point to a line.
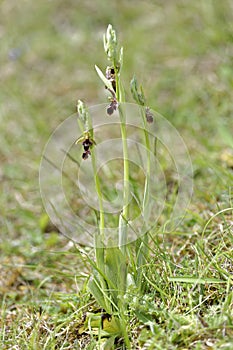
<point>98,293</point>
<point>111,325</point>
<point>115,265</point>
<point>116,272</point>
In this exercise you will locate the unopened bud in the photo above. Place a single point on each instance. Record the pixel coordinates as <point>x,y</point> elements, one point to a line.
<point>83,113</point>
<point>137,96</point>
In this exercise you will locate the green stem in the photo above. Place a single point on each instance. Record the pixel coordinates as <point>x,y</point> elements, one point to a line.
<point>124,217</point>
<point>99,238</point>
<point>99,193</point>
<point>142,251</point>
<point>125,210</point>
<point>148,168</point>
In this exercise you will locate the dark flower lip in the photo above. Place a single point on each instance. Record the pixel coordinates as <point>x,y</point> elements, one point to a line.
<point>149,118</point>
<point>112,107</point>
<point>149,115</point>
<point>86,147</point>
<point>110,110</point>
<point>87,143</point>
<point>86,154</point>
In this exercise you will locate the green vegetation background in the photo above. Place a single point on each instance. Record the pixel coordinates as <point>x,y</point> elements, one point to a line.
<point>180,50</point>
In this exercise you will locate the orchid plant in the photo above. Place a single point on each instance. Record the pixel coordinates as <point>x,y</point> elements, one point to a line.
<point>115,269</point>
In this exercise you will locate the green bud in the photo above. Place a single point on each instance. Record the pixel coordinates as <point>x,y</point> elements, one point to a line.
<point>110,43</point>
<point>137,96</point>
<point>83,114</point>
<point>121,57</point>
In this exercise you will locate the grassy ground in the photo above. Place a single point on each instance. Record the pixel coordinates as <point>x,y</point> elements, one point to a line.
<point>182,52</point>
